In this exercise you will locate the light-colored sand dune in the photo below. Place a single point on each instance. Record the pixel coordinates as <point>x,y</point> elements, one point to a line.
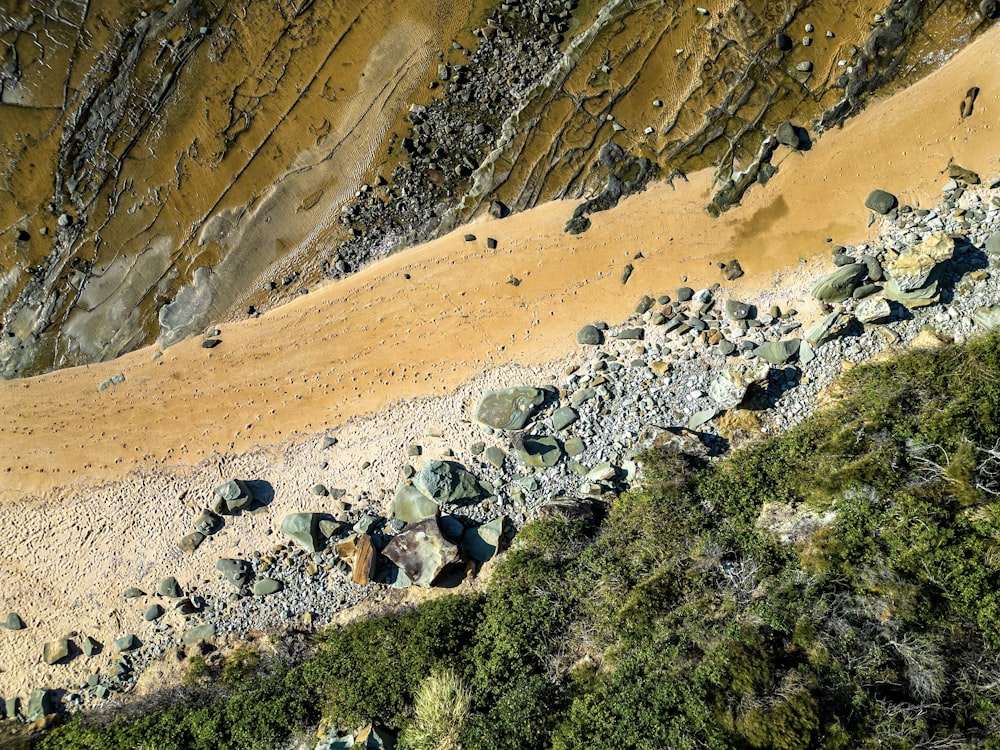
<point>360,344</point>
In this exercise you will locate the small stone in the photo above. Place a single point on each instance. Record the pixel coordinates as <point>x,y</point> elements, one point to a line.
<point>134,593</point>
<point>169,588</point>
<point>267,586</point>
<point>153,612</point>
<point>495,456</point>
<point>190,542</point>
<point>13,622</point>
<point>126,643</point>
<point>54,652</point>
<point>589,336</point>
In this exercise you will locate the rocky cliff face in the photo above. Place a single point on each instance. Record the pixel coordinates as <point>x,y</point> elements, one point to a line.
<point>180,163</point>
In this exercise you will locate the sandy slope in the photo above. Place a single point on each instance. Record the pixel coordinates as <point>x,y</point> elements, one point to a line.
<point>360,344</point>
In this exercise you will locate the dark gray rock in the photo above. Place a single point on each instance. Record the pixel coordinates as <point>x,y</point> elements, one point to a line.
<point>539,451</point>
<point>564,417</point>
<point>41,703</point>
<point>89,646</point>
<point>508,408</point>
<point>631,334</point>
<point>126,643</point>
<point>232,496</point>
<point>169,588</point>
<point>881,202</point>
<point>199,633</point>
<point>589,336</point>
<point>208,522</point>
<point>13,622</point>
<point>733,270</point>
<point>133,593</point>
<point>736,310</point>
<point>787,136</point>
<point>684,294</point>
<point>189,543</point>
<point>153,612</point>
<point>483,542</point>
<point>778,352</point>
<point>267,586</point>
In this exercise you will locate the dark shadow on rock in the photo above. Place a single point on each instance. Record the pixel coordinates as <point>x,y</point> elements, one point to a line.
<point>262,491</point>
<point>781,380</point>
<point>967,258</point>
<point>805,142</point>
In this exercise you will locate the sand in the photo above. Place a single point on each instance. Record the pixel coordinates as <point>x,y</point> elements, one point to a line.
<point>345,356</point>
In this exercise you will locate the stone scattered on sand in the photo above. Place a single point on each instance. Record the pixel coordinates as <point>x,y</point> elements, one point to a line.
<point>267,586</point>
<point>788,136</point>
<point>631,334</point>
<point>303,529</point>
<point>881,202</point>
<point>13,622</point>
<point>873,310</point>
<point>210,343</point>
<point>237,572</point>
<point>190,542</point>
<point>421,551</point>
<point>962,174</point>
<point>730,388</point>
<point>840,284</point>
<point>564,417</point>
<point>589,336</point>
<point>133,593</point>
<point>539,452</point>
<point>89,646</point>
<point>495,456</point>
<point>169,588</point>
<point>153,612</point>
<point>736,310</point>
<point>483,542</point>
<point>447,482</point>
<point>126,643</point>
<point>912,269</point>
<point>54,652</point>
<point>232,496</point>
<point>778,352</point>
<point>508,408</point>
<point>208,522</point>
<point>733,270</point>
<point>411,505</point>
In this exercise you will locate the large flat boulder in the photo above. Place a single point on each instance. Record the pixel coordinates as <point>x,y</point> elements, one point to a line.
<point>411,505</point>
<point>508,408</point>
<point>421,552</point>
<point>447,482</point>
<point>303,529</point>
<point>778,352</point>
<point>912,270</point>
<point>840,284</point>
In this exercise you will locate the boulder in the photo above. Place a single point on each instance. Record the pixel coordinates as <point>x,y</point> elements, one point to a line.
<point>421,551</point>
<point>987,317</point>
<point>447,482</point>
<point>89,646</point>
<point>412,505</point>
<point>483,542</point>
<point>830,327</point>
<point>232,496</point>
<point>54,652</point>
<point>881,202</point>
<point>732,270</point>
<point>191,542</point>
<point>993,244</point>
<point>539,451</point>
<point>267,586</point>
<point>631,334</point>
<point>153,612</point>
<point>788,136</point>
<point>840,284</point>
<point>126,643</point>
<point>778,352</point>
<point>508,408</point>
<point>199,633</point>
<point>873,266</point>
<point>730,388</point>
<point>169,588</point>
<point>912,269</point>
<point>928,294</point>
<point>589,336</point>
<point>873,310</point>
<point>961,173</point>
<point>303,529</point>
<point>495,456</point>
<point>672,439</point>
<point>237,572</point>
<point>498,209</point>
<point>208,522</point>
<point>736,310</point>
<point>41,703</point>
<point>564,417</point>
<point>13,622</point>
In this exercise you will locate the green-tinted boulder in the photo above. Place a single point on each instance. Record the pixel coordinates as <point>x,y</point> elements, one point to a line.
<point>508,408</point>
<point>484,541</point>
<point>574,446</point>
<point>447,482</point>
<point>412,505</point>
<point>267,586</point>
<point>41,703</point>
<point>13,622</point>
<point>840,284</point>
<point>208,522</point>
<point>126,643</point>
<point>495,456</point>
<point>539,451</point>
<point>303,529</point>
<point>153,612</point>
<point>987,317</point>
<point>881,202</point>
<point>421,551</point>
<point>232,496</point>
<point>993,244</point>
<point>133,593</point>
<point>582,395</point>
<point>564,417</point>
<point>589,336</point>
<point>912,269</point>
<point>169,588</point>
<point>778,352</point>
<point>237,572</point>
<point>199,633</point>
<point>54,652</point>
<point>830,327</point>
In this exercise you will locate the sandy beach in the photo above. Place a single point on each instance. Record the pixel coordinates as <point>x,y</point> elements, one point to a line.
<point>97,486</point>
